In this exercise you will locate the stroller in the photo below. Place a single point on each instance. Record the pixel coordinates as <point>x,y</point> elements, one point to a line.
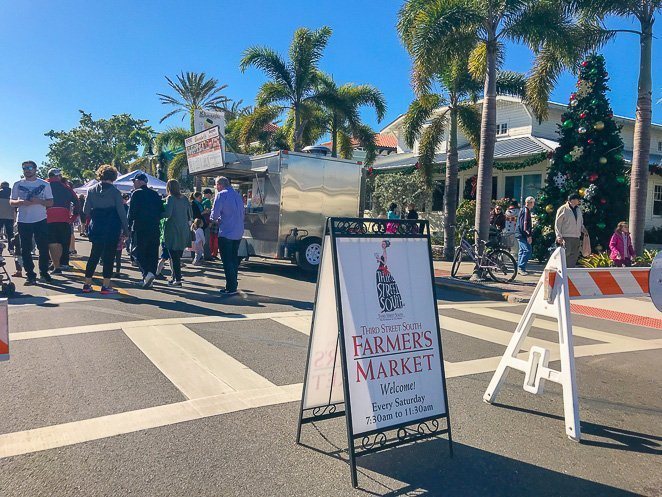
<point>7,286</point>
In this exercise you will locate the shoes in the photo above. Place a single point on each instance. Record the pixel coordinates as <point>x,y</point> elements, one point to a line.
<point>149,279</point>
<point>32,280</point>
<point>57,270</point>
<point>228,293</point>
<point>160,266</point>
<point>523,272</point>
<point>17,274</point>
<point>73,252</point>
<point>46,278</point>
<point>87,289</point>
<point>117,275</point>
<point>175,283</point>
<point>106,290</point>
<point>65,267</point>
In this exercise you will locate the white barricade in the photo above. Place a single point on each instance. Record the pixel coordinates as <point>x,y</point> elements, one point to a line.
<point>551,298</point>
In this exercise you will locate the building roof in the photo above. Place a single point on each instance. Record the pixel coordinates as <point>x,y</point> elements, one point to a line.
<point>381,140</point>
<point>270,128</point>
<point>506,148</point>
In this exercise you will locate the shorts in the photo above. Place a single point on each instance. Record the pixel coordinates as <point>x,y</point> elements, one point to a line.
<point>59,233</point>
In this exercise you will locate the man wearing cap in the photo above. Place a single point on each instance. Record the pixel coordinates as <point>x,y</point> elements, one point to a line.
<point>6,211</point>
<point>32,196</point>
<point>145,213</point>
<point>60,216</point>
<point>569,226</point>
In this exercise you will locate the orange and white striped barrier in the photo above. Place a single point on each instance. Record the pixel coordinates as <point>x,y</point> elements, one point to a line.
<point>4,330</point>
<point>551,297</point>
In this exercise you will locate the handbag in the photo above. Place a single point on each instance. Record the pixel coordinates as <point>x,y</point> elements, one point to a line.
<point>586,245</point>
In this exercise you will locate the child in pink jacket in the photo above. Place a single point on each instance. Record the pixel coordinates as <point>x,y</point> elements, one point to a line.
<point>620,246</point>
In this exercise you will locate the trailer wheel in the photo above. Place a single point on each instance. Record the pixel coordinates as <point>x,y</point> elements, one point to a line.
<point>309,254</point>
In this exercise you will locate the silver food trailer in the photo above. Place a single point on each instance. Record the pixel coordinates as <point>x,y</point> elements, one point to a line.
<point>288,197</point>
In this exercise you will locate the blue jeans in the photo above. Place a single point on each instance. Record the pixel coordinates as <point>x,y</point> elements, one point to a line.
<point>524,253</point>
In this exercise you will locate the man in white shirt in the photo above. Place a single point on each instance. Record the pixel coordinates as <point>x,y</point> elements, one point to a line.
<point>31,196</point>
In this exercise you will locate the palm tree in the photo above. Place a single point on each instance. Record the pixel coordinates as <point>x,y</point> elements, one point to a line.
<point>164,154</point>
<point>644,12</point>
<point>193,91</point>
<point>344,122</point>
<point>424,122</point>
<point>434,30</point>
<point>293,84</point>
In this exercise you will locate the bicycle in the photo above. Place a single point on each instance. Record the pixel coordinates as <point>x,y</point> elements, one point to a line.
<point>499,263</point>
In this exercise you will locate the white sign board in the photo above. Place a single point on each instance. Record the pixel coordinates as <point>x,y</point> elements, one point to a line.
<point>390,331</point>
<point>4,330</point>
<point>375,353</point>
<point>206,119</point>
<point>205,151</point>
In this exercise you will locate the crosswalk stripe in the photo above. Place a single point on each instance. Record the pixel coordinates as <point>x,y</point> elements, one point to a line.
<point>96,328</point>
<point>61,435</point>
<point>600,336</point>
<point>298,323</point>
<point>195,366</point>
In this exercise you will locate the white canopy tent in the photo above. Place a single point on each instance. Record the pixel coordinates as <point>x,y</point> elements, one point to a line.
<point>124,183</point>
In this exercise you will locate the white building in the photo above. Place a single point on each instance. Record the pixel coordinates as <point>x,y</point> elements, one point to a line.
<point>519,136</point>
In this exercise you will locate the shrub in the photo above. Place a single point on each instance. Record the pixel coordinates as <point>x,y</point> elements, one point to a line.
<point>646,259</point>
<point>596,260</point>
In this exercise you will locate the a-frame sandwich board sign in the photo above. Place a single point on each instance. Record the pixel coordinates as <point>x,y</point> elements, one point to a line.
<point>374,354</point>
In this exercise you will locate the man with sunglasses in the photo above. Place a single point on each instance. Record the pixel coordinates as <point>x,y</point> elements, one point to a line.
<point>32,196</point>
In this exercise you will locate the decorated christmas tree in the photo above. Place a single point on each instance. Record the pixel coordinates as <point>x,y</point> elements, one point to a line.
<point>588,161</point>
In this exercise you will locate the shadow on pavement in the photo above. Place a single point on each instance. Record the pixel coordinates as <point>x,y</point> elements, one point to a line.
<point>427,469</point>
<point>611,438</point>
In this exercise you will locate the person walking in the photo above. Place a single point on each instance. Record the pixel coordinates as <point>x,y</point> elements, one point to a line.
<point>512,213</point>
<point>207,200</point>
<point>121,243</point>
<point>228,210</point>
<point>60,217</point>
<point>145,213</point>
<point>412,213</point>
<point>176,234</point>
<point>32,196</point>
<point>524,233</point>
<point>569,226</point>
<point>6,211</point>
<point>107,219</point>
<point>621,251</point>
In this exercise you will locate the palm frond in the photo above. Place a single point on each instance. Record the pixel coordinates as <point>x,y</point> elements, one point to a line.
<point>177,166</point>
<point>427,147</point>
<point>252,126</point>
<point>366,137</point>
<point>361,95</point>
<point>511,83</point>
<point>270,62</point>
<point>469,118</point>
<point>345,148</point>
<point>171,138</point>
<point>477,62</point>
<point>418,114</point>
<point>305,53</point>
<point>272,92</point>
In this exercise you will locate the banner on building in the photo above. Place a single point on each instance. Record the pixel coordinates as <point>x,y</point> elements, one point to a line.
<point>205,151</point>
<point>375,346</point>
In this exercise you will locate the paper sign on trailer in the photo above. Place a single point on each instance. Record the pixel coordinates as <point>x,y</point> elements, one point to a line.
<point>205,151</point>
<point>375,346</point>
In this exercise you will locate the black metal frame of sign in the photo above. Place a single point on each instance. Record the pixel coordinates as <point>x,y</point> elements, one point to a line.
<point>395,435</point>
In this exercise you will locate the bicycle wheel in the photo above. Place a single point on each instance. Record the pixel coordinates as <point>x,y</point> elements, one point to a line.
<point>500,265</point>
<point>457,261</point>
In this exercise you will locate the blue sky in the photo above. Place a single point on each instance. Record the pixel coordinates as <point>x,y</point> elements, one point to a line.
<point>111,57</point>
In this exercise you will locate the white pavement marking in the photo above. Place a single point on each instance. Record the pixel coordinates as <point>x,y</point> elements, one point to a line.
<point>195,366</point>
<point>63,299</point>
<point>50,437</point>
<point>298,323</point>
<point>95,328</point>
<point>600,336</point>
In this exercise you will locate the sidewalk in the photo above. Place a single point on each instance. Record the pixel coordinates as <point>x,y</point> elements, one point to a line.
<point>519,290</point>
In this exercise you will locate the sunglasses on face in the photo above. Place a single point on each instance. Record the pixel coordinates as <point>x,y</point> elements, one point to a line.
<point>28,168</point>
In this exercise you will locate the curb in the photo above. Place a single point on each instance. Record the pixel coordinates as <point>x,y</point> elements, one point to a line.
<point>482,291</point>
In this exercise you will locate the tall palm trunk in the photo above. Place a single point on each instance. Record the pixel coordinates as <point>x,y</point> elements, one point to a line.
<point>450,187</point>
<point>487,141</point>
<point>197,179</point>
<point>334,136</point>
<point>297,128</point>
<point>641,148</point>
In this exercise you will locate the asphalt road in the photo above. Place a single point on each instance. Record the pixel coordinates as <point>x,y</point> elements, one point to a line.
<point>95,381</point>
